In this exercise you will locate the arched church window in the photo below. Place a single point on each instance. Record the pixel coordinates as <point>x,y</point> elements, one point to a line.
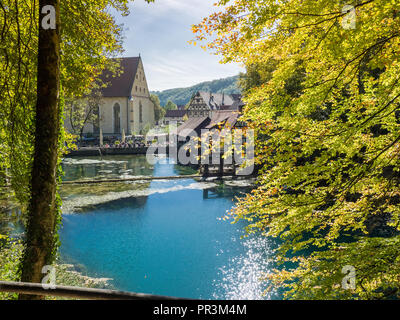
<point>117,118</point>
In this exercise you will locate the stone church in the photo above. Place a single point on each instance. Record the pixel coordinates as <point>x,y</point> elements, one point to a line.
<point>125,103</point>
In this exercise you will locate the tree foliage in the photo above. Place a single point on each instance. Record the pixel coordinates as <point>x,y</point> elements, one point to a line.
<point>82,60</point>
<point>170,106</point>
<point>328,120</point>
<point>82,112</point>
<point>89,37</point>
<point>159,112</point>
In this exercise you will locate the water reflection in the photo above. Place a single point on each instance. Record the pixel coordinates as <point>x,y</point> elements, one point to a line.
<point>114,167</point>
<point>10,216</point>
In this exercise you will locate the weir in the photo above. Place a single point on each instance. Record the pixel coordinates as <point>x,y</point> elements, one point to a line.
<point>148,178</point>
<point>215,174</point>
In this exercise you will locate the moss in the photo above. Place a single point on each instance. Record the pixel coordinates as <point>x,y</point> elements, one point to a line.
<point>72,190</point>
<point>66,274</point>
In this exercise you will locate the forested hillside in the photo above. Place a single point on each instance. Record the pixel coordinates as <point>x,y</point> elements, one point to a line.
<point>181,96</point>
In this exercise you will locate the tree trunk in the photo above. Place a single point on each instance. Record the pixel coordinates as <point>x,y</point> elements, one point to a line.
<point>41,228</point>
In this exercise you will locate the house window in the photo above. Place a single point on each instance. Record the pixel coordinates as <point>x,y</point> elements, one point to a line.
<point>117,119</point>
<point>140,112</point>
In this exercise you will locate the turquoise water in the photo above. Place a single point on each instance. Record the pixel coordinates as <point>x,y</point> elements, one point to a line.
<point>165,237</point>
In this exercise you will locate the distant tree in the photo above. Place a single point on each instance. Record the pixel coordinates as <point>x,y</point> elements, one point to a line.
<point>145,129</point>
<point>170,106</point>
<point>83,111</point>
<point>159,112</point>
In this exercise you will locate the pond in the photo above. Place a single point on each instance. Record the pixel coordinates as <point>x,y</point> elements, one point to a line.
<point>162,237</point>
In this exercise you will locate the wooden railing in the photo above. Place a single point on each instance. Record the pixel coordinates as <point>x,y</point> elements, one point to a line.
<point>76,292</point>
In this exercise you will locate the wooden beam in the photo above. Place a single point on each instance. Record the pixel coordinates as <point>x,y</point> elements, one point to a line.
<point>27,288</point>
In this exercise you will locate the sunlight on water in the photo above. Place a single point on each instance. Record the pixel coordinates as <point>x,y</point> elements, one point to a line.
<point>240,278</point>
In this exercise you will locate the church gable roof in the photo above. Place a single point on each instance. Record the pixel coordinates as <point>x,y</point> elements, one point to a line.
<point>121,86</point>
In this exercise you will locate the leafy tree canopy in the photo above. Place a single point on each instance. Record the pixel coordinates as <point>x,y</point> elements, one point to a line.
<point>170,106</point>
<point>89,37</point>
<point>323,96</point>
<point>159,112</point>
<point>83,58</point>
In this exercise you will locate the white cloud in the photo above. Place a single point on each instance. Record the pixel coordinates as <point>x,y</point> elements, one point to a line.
<point>179,69</point>
<point>160,31</point>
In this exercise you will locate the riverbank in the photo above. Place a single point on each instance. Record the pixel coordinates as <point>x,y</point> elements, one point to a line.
<point>65,274</point>
<point>96,151</point>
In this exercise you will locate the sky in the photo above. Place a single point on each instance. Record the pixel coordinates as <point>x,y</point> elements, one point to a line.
<point>160,32</point>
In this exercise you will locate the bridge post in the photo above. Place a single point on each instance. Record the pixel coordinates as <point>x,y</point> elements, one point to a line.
<point>221,165</point>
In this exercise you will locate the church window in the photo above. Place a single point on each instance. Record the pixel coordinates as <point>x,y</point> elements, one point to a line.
<point>117,120</point>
